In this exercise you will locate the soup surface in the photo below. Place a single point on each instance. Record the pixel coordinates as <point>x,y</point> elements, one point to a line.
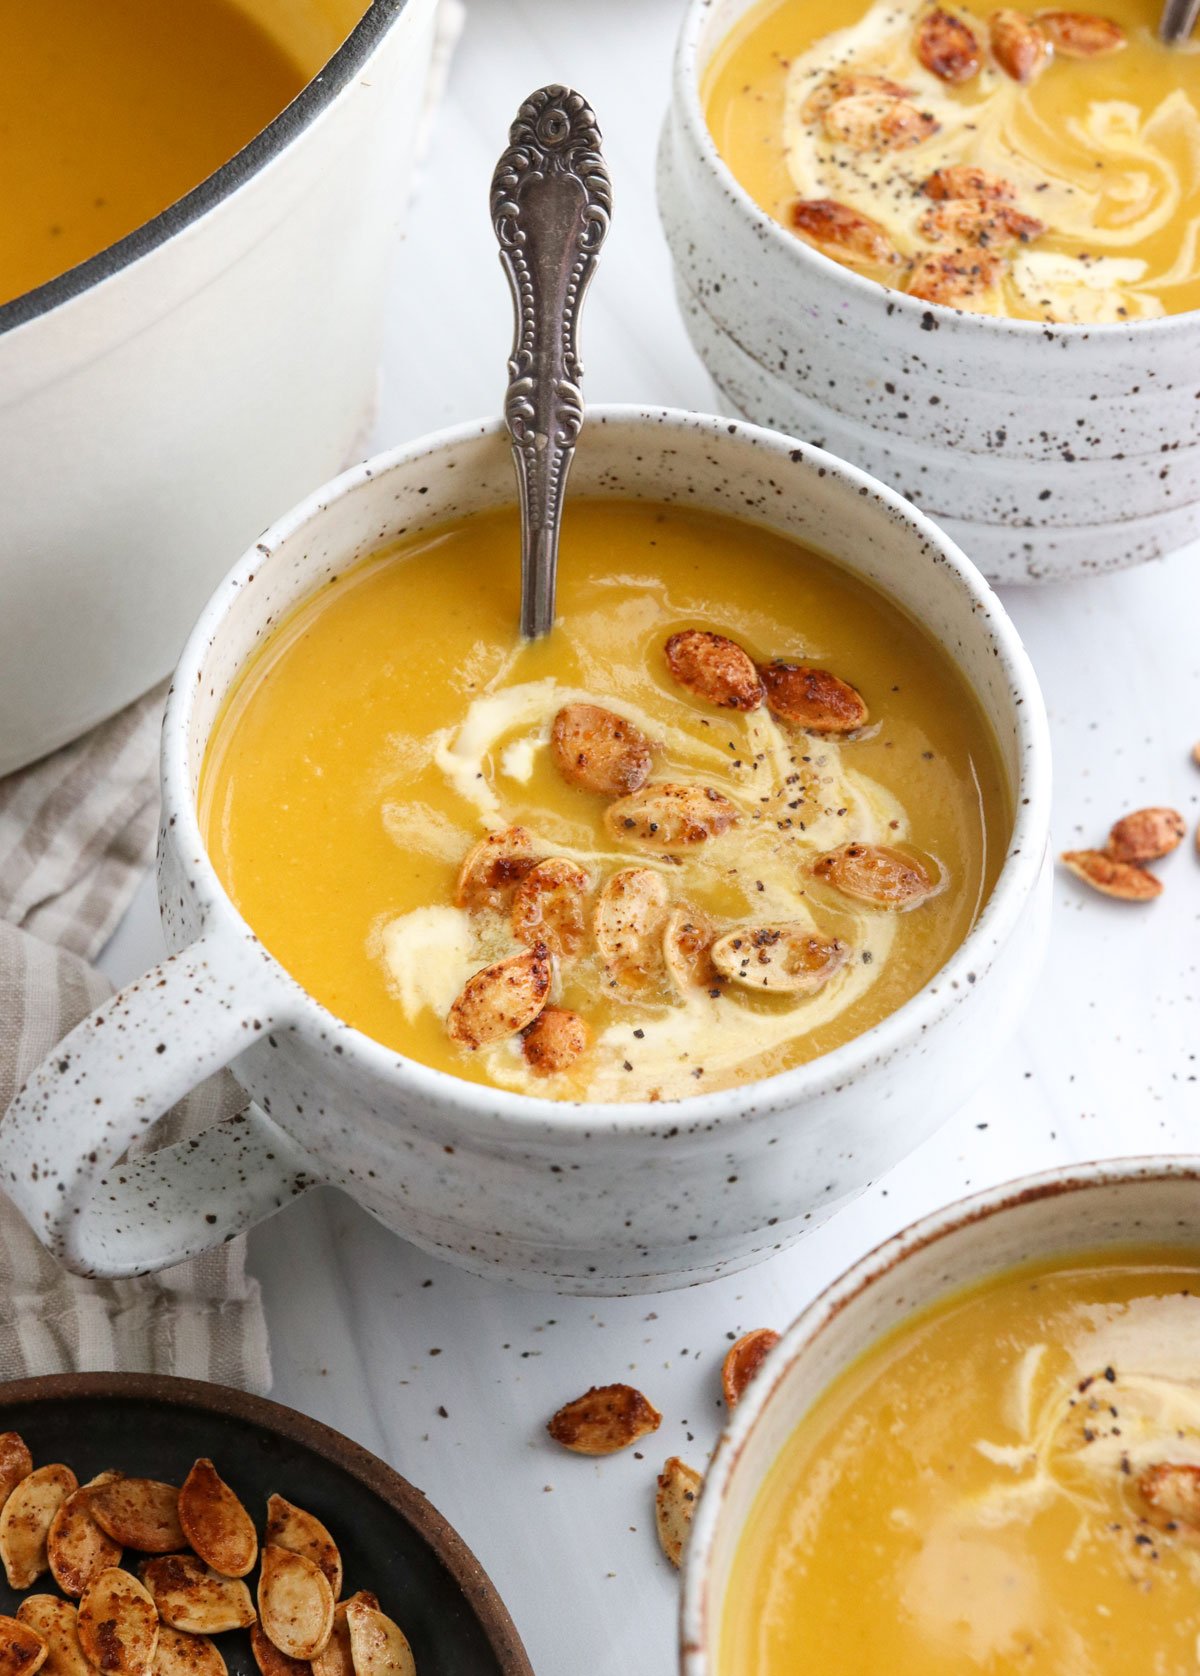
<point>1009,1483</point>
<point>394,722</point>
<point>1071,196</point>
<point>113,109</point>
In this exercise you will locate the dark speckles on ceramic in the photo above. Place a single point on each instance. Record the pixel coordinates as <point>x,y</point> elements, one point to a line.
<point>592,1199</point>
<point>1046,452</point>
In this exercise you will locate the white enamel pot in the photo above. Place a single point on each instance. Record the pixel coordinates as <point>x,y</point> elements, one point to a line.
<point>162,402</point>
<point>583,1198</point>
<point>1044,451</point>
<point>1062,1213</point>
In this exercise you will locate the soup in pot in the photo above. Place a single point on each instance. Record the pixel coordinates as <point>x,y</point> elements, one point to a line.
<point>734,810</point>
<point>1007,1485</point>
<point>113,109</point>
<point>1019,161</point>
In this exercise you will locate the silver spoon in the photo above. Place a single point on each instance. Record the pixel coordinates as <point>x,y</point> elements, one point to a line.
<point>1178,20</point>
<point>551,203</point>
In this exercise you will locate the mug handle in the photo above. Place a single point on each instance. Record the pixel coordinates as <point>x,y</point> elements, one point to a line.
<point>113,1076</point>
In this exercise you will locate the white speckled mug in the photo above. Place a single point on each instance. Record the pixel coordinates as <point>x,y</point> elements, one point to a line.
<point>1061,1213</point>
<point>582,1198</point>
<point>1045,451</point>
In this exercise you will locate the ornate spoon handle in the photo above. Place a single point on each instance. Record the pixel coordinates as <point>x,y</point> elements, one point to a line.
<point>551,202</point>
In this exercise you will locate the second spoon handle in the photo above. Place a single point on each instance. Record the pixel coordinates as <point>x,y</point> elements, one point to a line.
<point>1178,20</point>
<point>551,203</point>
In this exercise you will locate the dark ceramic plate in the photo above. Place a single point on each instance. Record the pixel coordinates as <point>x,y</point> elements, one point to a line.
<point>392,1541</point>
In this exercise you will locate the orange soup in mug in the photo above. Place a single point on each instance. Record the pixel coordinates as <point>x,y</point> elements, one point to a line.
<point>734,810</point>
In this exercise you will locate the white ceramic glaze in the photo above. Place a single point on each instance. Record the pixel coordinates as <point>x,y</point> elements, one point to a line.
<point>163,402</point>
<point>1069,1210</point>
<point>582,1198</point>
<point>1044,451</point>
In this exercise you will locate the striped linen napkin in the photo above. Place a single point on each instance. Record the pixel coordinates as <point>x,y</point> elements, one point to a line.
<point>76,835</point>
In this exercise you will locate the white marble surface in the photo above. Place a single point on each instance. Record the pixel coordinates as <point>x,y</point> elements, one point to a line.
<point>373,1337</point>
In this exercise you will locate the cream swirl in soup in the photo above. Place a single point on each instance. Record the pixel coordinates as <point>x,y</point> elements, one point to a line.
<point>795,801</point>
<point>734,810</point>
<point>1010,1478</point>
<point>1057,178</point>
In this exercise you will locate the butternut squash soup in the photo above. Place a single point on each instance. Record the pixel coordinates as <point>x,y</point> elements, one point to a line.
<point>734,810</point>
<point>1007,1484</point>
<point>1017,161</point>
<point>113,109</point>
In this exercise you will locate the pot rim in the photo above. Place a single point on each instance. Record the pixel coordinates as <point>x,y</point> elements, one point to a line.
<point>317,94</point>
<point>686,102</point>
<point>518,1114</point>
<point>845,1290</point>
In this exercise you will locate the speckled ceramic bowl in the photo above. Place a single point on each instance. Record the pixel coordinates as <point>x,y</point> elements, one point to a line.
<point>1077,1209</point>
<point>1045,452</point>
<point>581,1198</point>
